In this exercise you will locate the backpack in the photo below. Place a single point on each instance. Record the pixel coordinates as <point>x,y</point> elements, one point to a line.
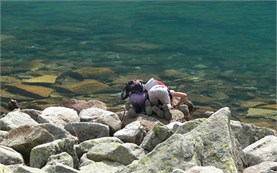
<point>133,86</point>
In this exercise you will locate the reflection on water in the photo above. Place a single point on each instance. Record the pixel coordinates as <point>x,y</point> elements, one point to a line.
<point>220,53</point>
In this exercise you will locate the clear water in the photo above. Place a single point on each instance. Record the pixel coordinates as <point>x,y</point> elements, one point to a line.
<point>221,53</point>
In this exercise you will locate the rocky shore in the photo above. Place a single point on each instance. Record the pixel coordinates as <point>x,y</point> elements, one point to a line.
<point>85,138</point>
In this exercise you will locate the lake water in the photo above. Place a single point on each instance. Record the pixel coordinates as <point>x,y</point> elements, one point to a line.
<point>219,53</point>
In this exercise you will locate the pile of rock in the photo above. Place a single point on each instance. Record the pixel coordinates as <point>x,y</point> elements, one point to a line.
<point>60,139</point>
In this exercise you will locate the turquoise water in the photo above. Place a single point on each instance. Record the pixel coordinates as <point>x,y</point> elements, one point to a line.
<point>220,53</point>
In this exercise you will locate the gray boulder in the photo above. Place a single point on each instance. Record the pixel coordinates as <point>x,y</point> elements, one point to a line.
<point>87,130</point>
<point>24,138</point>
<point>57,132</point>
<point>58,116</point>
<point>99,167</point>
<point>263,150</point>
<point>63,158</point>
<point>27,169</point>
<point>157,135</point>
<point>248,133</point>
<point>189,125</point>
<point>85,146</point>
<point>123,153</point>
<point>204,169</point>
<point>3,134</point>
<point>133,133</point>
<point>173,126</point>
<point>41,153</point>
<point>101,116</point>
<point>4,169</point>
<point>32,113</point>
<point>264,167</point>
<point>209,144</point>
<point>59,168</point>
<point>16,119</point>
<point>9,156</point>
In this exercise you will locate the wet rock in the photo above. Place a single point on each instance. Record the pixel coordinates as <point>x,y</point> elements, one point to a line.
<point>264,167</point>
<point>133,133</point>
<point>123,153</point>
<point>45,79</point>
<point>24,138</point>
<point>41,153</point>
<point>263,150</point>
<point>251,104</point>
<point>85,87</point>
<point>261,113</point>
<point>103,73</point>
<point>15,119</point>
<point>87,130</point>
<point>31,90</point>
<point>79,105</point>
<point>101,116</point>
<point>59,116</point>
<point>157,135</point>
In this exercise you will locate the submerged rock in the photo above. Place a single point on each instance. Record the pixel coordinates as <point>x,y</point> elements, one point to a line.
<point>262,113</point>
<point>45,79</point>
<point>86,87</point>
<point>95,73</point>
<point>31,90</point>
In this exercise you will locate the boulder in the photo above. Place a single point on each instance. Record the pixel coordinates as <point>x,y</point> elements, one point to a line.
<point>24,138</point>
<point>204,169</point>
<point>63,158</point>
<point>173,126</point>
<point>59,168</point>
<point>209,144</point>
<point>87,130</point>
<point>27,169</point>
<point>79,105</point>
<point>189,125</point>
<point>4,169</point>
<point>86,145</point>
<point>15,119</point>
<point>105,166</point>
<point>157,135</point>
<point>57,132</point>
<point>3,134</point>
<point>9,156</point>
<point>101,116</point>
<point>31,90</point>
<point>123,153</point>
<point>263,150</point>
<point>133,133</point>
<point>32,113</point>
<point>263,167</point>
<point>59,116</point>
<point>41,153</point>
<point>248,133</point>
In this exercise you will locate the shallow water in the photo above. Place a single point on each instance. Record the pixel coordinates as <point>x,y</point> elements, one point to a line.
<point>220,53</point>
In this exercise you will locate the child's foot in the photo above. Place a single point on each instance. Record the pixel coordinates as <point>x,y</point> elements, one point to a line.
<point>167,113</point>
<point>148,108</point>
<point>158,112</point>
<point>132,113</point>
